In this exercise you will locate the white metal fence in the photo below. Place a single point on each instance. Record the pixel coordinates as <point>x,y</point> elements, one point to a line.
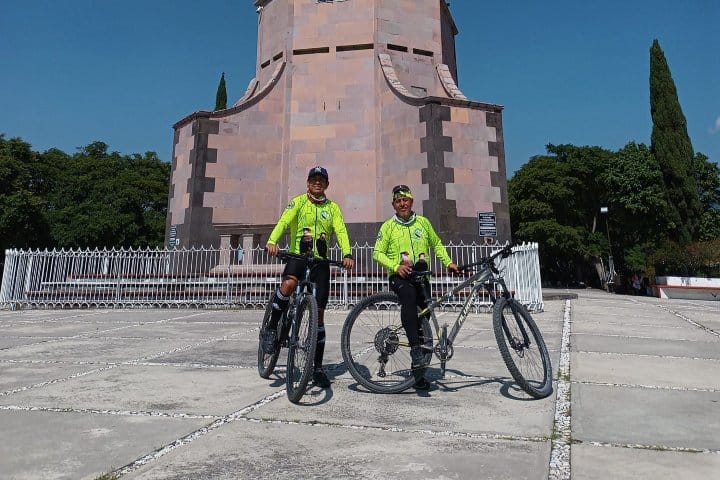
<point>217,278</point>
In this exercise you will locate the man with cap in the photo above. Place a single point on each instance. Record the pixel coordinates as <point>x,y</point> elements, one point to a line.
<point>402,243</point>
<point>310,217</point>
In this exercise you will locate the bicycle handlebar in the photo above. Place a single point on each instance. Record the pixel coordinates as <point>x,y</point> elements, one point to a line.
<point>504,252</point>
<point>309,258</point>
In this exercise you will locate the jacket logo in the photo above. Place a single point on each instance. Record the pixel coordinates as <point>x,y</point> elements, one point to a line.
<point>325,214</point>
<point>418,233</point>
<point>290,205</point>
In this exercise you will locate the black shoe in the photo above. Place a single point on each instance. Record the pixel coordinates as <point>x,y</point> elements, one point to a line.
<point>417,356</point>
<point>269,341</point>
<point>320,379</point>
<point>421,384</point>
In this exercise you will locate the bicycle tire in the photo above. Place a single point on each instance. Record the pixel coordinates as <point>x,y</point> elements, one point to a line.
<point>371,329</point>
<point>266,362</point>
<point>528,363</point>
<point>301,349</point>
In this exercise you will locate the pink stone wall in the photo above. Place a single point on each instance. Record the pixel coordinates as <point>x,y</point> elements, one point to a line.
<point>471,162</point>
<point>400,160</point>
<point>317,104</point>
<point>274,23</point>
<point>249,166</point>
<point>413,25</point>
<point>332,24</point>
<point>334,126</point>
<point>182,171</point>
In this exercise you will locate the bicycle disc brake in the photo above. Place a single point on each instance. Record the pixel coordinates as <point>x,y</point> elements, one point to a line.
<point>518,346</point>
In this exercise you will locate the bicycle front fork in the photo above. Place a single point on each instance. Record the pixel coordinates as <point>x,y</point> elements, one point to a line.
<point>285,323</point>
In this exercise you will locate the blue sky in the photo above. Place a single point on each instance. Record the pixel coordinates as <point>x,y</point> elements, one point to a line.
<point>123,71</point>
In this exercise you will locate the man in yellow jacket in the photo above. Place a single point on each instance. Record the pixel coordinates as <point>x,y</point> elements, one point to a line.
<point>402,243</point>
<point>310,217</point>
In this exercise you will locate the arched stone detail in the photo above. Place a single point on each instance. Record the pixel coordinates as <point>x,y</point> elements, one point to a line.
<point>448,83</point>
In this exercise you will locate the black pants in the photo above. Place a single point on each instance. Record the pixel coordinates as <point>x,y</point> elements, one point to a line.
<point>411,297</point>
<point>319,274</point>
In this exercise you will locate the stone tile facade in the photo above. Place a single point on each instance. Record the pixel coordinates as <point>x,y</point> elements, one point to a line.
<point>367,89</point>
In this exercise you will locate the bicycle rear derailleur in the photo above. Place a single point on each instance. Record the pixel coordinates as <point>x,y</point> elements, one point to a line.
<point>386,343</point>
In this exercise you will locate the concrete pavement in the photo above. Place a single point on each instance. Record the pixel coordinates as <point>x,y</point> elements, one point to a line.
<point>174,394</point>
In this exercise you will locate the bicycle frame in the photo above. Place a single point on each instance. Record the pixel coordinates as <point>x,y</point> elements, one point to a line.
<point>379,355</point>
<point>486,277</point>
<point>305,286</point>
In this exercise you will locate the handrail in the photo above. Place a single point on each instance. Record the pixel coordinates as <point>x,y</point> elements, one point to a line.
<point>214,278</point>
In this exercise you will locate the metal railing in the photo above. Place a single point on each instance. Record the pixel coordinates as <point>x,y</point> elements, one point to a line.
<point>217,278</point>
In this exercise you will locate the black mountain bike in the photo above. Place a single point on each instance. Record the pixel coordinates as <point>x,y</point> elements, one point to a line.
<point>297,330</point>
<point>377,353</point>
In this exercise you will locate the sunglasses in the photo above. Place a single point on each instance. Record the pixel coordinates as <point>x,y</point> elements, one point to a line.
<point>400,188</point>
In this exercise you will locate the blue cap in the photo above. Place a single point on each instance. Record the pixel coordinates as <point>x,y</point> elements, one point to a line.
<point>318,171</point>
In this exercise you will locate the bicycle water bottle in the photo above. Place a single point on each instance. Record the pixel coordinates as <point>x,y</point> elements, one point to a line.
<point>321,246</point>
<point>306,242</point>
<point>421,265</point>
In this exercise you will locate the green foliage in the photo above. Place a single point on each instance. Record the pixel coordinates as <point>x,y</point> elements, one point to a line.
<point>636,259</point>
<point>221,95</point>
<point>707,179</point>
<point>705,257</point>
<point>697,259</point>
<point>660,200</point>
<point>671,147</point>
<point>552,204</point>
<point>710,225</point>
<point>22,198</point>
<point>555,200</point>
<point>636,196</point>
<point>90,199</point>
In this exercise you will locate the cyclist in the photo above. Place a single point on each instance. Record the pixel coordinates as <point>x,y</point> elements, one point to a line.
<point>401,246</point>
<point>312,219</point>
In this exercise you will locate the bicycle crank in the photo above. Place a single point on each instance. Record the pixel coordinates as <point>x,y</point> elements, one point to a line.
<point>444,352</point>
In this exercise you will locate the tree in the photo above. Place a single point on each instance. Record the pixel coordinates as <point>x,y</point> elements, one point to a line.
<point>636,196</point>
<point>90,199</point>
<point>221,95</point>
<point>554,200</point>
<point>671,146</point>
<point>23,222</point>
<point>109,200</point>
<point>707,177</point>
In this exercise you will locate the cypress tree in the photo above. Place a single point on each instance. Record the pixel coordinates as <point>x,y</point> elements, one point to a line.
<point>671,146</point>
<point>221,96</point>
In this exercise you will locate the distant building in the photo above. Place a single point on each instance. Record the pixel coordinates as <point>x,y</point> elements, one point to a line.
<point>367,89</point>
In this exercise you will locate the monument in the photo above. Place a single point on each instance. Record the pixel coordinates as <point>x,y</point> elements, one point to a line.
<point>366,88</point>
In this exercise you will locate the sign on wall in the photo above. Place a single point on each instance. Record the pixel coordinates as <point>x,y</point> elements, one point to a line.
<point>487,224</point>
<point>173,240</point>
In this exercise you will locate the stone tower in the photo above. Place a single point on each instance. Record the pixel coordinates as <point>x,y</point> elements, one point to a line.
<point>367,89</point>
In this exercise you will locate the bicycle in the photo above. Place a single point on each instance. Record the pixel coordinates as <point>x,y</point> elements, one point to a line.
<point>377,353</point>
<point>297,331</point>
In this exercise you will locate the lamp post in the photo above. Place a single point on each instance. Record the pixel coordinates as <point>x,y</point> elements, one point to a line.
<point>610,281</point>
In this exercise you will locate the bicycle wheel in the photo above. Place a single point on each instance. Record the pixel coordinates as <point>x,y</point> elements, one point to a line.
<point>301,350</point>
<point>522,347</point>
<point>266,362</point>
<point>374,345</point>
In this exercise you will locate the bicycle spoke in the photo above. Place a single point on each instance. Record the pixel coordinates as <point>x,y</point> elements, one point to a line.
<point>301,351</point>
<point>522,347</point>
<point>375,346</point>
